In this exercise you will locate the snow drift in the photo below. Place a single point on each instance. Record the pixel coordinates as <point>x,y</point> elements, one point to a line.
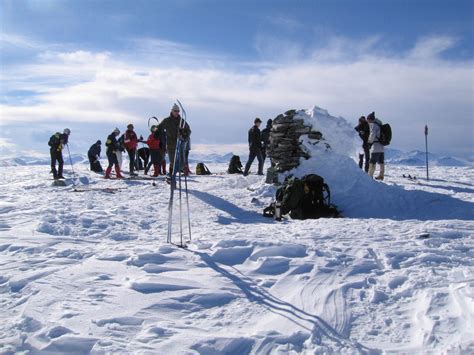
<point>352,190</point>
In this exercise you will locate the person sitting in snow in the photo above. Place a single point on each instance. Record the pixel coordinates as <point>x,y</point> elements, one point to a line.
<point>56,143</point>
<point>364,131</point>
<point>143,157</point>
<point>255,147</point>
<point>131,143</point>
<point>94,155</point>
<point>113,147</point>
<point>377,149</point>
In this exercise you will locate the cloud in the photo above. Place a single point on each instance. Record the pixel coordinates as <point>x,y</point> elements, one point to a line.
<point>222,99</point>
<point>432,47</point>
<point>15,40</point>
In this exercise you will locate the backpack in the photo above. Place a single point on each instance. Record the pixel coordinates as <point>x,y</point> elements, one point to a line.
<point>308,197</point>
<point>54,141</point>
<point>385,134</point>
<point>235,165</point>
<point>201,169</point>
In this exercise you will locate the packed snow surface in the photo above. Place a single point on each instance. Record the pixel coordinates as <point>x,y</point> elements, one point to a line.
<point>87,268</point>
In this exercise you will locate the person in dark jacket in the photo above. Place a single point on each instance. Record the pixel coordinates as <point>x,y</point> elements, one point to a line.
<point>255,147</point>
<point>57,142</point>
<point>113,146</point>
<point>131,143</point>
<point>94,155</point>
<point>364,130</point>
<point>171,125</point>
<point>266,138</point>
<point>143,157</point>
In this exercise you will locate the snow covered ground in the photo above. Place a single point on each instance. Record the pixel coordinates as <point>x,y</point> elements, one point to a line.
<point>91,271</point>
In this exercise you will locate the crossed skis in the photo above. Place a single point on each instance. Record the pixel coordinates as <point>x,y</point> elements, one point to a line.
<point>177,172</point>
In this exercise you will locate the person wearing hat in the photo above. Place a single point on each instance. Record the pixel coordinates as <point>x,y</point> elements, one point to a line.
<point>94,155</point>
<point>112,147</point>
<point>364,130</point>
<point>57,142</point>
<point>255,147</point>
<point>377,149</point>
<point>171,125</point>
<point>131,143</point>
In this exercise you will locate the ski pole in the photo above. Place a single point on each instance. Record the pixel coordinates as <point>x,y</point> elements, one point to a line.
<point>186,192</point>
<point>426,145</point>
<point>180,204</point>
<point>187,204</point>
<point>72,166</point>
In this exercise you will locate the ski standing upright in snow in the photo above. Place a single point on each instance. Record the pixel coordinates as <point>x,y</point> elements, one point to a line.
<point>179,152</point>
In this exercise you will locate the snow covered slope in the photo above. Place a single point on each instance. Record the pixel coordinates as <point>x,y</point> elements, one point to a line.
<point>90,271</point>
<point>87,269</point>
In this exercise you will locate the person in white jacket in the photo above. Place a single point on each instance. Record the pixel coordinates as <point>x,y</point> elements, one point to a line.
<point>377,150</point>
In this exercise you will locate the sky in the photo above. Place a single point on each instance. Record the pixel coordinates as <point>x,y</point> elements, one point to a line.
<point>92,66</point>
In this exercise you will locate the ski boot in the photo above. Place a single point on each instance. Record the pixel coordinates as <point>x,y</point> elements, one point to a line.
<point>117,173</point>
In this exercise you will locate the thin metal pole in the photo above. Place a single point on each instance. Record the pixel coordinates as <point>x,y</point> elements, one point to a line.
<point>72,166</point>
<point>426,147</point>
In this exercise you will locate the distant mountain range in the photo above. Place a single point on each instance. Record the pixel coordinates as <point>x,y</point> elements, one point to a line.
<point>392,156</point>
<point>418,158</point>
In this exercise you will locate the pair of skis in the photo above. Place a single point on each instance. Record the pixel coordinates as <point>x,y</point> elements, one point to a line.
<point>177,173</point>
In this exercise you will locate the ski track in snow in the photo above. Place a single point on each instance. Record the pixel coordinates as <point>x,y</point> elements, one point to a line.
<point>90,271</point>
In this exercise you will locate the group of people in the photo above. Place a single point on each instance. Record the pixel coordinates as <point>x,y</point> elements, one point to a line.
<point>161,141</point>
<point>369,130</point>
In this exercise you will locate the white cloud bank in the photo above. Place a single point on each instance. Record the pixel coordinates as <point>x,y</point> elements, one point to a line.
<point>223,97</point>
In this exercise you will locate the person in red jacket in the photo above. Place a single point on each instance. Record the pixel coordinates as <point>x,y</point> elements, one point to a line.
<point>153,142</point>
<point>131,143</point>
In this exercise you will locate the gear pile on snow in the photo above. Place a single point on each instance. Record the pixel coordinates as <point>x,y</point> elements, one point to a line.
<point>286,146</point>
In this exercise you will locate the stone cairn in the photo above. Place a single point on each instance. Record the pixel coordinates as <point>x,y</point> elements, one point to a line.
<point>285,149</point>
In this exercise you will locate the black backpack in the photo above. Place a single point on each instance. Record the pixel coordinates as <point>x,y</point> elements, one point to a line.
<point>308,197</point>
<point>54,141</point>
<point>385,134</point>
<point>202,169</point>
<point>235,165</point>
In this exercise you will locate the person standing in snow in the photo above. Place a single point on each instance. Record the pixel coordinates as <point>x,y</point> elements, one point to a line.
<point>266,138</point>
<point>364,131</point>
<point>131,143</point>
<point>153,142</point>
<point>255,147</point>
<point>171,125</point>
<point>377,150</point>
<point>120,150</point>
<point>56,143</point>
<point>113,147</point>
<point>94,155</point>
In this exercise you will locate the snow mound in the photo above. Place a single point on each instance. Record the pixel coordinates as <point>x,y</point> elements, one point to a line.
<point>352,190</point>
<point>339,133</point>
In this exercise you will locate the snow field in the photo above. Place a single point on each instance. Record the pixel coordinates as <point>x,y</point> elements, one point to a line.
<point>90,271</point>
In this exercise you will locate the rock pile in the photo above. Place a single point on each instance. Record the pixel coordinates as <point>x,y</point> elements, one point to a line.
<point>285,149</point>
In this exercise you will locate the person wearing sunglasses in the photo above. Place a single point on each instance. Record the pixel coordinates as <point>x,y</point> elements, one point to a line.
<point>171,125</point>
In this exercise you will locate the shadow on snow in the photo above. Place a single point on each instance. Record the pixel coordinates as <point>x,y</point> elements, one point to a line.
<point>254,293</point>
<point>237,214</point>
